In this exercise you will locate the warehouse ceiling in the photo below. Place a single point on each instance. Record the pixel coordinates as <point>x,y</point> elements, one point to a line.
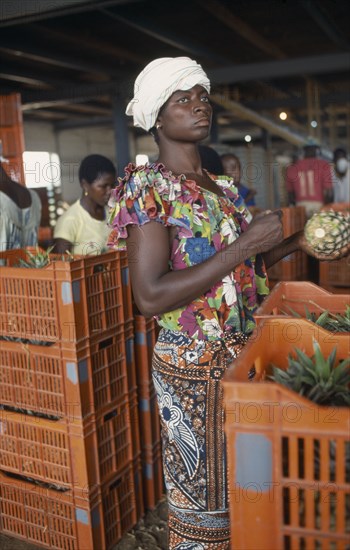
<point>73,61</point>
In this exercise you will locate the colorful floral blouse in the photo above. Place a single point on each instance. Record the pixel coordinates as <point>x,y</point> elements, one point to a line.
<point>206,223</point>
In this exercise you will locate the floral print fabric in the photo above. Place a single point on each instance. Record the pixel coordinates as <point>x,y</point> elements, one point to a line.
<point>206,223</point>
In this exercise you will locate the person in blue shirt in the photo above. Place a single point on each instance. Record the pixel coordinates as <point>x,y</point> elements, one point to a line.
<point>232,168</point>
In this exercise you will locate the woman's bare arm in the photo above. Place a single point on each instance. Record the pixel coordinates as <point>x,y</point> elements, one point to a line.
<point>156,289</point>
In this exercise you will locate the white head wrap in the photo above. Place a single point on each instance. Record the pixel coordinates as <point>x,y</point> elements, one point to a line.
<point>157,82</point>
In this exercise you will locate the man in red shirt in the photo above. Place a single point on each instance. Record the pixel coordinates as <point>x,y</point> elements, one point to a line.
<point>309,181</point>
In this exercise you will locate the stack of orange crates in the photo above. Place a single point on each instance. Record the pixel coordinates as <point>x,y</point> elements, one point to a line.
<point>132,383</point>
<point>67,476</point>
<point>296,298</point>
<point>150,436</point>
<point>292,267</point>
<point>12,136</point>
<point>288,476</point>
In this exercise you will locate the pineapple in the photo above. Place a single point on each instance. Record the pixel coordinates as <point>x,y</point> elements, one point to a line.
<point>43,258</point>
<point>317,378</point>
<point>326,232</point>
<point>334,322</point>
<point>38,260</point>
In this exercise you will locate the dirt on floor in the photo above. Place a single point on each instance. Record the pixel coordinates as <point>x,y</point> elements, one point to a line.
<point>149,534</point>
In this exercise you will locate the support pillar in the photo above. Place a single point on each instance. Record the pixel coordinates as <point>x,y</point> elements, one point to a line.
<point>121,134</point>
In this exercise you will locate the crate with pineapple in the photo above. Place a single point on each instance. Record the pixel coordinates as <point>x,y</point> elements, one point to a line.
<point>305,300</point>
<point>287,401</point>
<point>45,298</point>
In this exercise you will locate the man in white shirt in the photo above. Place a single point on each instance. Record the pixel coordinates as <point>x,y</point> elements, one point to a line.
<point>341,176</point>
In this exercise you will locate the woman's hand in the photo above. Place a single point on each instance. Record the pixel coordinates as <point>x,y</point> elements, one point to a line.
<point>337,255</point>
<point>265,231</point>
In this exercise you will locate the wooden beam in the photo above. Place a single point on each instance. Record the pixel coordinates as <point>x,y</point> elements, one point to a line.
<point>88,43</point>
<point>247,114</point>
<point>225,15</point>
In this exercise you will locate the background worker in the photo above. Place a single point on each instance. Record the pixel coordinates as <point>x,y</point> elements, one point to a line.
<point>341,176</point>
<point>232,168</point>
<point>20,213</point>
<point>309,180</point>
<point>83,228</point>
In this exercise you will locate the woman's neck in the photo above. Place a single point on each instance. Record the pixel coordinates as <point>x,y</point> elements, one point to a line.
<point>181,158</point>
<point>95,210</point>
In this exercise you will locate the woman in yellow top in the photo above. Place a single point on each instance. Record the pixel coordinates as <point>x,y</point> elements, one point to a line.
<point>83,229</point>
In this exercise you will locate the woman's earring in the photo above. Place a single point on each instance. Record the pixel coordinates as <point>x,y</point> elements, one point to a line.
<point>86,193</point>
<point>158,126</point>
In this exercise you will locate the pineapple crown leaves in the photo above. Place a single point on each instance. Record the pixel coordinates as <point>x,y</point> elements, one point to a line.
<point>42,258</point>
<point>334,322</point>
<point>37,260</point>
<point>316,378</point>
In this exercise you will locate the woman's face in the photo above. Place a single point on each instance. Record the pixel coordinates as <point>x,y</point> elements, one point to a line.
<point>186,116</point>
<point>100,189</point>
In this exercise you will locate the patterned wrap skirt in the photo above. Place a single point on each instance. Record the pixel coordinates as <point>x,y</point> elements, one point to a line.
<point>186,374</point>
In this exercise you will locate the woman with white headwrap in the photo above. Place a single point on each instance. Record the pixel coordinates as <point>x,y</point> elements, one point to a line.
<point>197,263</point>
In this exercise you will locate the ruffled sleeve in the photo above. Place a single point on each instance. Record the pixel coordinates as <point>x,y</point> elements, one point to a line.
<point>146,193</point>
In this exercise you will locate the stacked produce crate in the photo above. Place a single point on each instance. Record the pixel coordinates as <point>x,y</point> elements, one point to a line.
<point>66,448</point>
<point>288,457</point>
<point>140,338</point>
<point>293,267</point>
<point>151,452</point>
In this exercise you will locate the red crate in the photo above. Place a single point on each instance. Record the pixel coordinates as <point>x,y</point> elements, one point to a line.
<point>291,268</point>
<point>149,419</point>
<point>126,287</point>
<point>138,484</point>
<point>58,381</point>
<point>67,454</point>
<point>297,296</point>
<point>134,422</point>
<point>66,301</point>
<point>130,354</point>
<point>50,518</point>
<point>282,485</point>
<point>92,520</point>
<point>335,273</point>
<point>119,507</point>
<point>153,479</point>
<point>145,340</point>
<point>294,266</point>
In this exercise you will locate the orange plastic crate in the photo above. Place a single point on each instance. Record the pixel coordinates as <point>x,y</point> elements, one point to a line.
<point>67,454</point>
<point>149,419</point>
<point>58,381</point>
<point>298,296</point>
<point>126,287</point>
<point>293,266</point>
<point>49,518</point>
<point>145,339</point>
<point>92,520</point>
<point>64,301</point>
<point>119,507</point>
<point>288,488</point>
<point>335,273</point>
<point>130,354</point>
<point>135,422</point>
<point>153,479</point>
<point>138,484</point>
